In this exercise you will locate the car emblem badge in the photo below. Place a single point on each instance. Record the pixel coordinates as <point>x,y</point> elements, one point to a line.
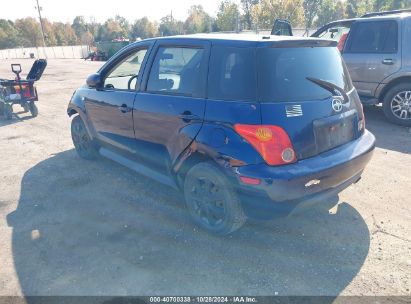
<point>337,104</point>
<point>294,111</point>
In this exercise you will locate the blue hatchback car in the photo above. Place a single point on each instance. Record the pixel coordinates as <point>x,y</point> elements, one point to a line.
<point>246,126</point>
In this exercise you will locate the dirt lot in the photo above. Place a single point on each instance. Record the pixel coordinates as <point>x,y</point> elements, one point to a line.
<point>73,227</point>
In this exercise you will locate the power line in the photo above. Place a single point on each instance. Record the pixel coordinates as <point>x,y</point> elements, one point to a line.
<point>39,8</point>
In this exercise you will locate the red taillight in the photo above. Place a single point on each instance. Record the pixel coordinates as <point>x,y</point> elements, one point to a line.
<point>341,43</point>
<point>272,142</point>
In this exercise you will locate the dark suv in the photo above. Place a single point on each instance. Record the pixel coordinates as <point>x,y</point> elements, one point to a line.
<point>245,126</point>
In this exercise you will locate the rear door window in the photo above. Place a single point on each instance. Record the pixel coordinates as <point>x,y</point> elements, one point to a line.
<point>177,70</point>
<point>374,37</point>
<point>232,74</point>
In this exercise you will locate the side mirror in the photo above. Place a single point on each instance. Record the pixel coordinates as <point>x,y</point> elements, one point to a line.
<point>94,80</point>
<point>16,68</point>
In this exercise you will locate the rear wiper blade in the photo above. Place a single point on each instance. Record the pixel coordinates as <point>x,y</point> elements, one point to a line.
<point>329,86</point>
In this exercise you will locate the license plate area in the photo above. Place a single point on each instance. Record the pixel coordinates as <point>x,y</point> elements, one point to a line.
<point>334,131</point>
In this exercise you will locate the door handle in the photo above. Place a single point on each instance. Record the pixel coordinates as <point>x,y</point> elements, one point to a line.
<point>388,61</point>
<point>187,116</point>
<point>125,109</point>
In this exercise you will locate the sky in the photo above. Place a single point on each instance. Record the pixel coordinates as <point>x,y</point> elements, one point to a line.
<point>66,10</point>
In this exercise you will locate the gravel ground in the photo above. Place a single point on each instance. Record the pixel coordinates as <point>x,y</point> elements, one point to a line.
<point>73,227</point>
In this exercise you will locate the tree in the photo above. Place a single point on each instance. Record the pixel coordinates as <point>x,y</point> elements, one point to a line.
<point>358,8</point>
<point>79,26</point>
<point>330,10</point>
<point>198,21</point>
<point>8,34</point>
<point>380,5</point>
<point>64,34</point>
<point>311,8</point>
<point>49,33</point>
<point>169,26</point>
<point>110,30</point>
<point>267,11</point>
<point>228,16</point>
<point>124,25</point>
<point>144,28</point>
<point>93,27</point>
<point>29,32</point>
<point>247,6</point>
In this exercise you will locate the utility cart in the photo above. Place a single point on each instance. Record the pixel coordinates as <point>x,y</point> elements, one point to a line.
<point>21,91</point>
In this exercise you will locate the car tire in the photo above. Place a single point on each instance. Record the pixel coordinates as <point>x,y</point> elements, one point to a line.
<point>212,201</point>
<point>33,109</point>
<point>8,111</point>
<point>82,142</point>
<point>392,100</point>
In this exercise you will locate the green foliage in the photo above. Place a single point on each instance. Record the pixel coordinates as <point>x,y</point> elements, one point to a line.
<point>247,6</point>
<point>233,15</point>
<point>330,10</point>
<point>311,8</point>
<point>198,21</point>
<point>227,16</point>
<point>269,10</point>
<point>8,34</point>
<point>169,26</point>
<point>144,28</point>
<point>29,33</point>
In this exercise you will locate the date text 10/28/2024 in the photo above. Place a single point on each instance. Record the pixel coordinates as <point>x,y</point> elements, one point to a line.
<point>203,300</point>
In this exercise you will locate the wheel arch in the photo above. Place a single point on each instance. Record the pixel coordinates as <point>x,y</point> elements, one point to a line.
<point>391,84</point>
<point>187,161</point>
<point>71,112</point>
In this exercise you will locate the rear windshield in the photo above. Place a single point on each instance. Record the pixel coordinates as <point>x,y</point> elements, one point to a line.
<point>283,71</point>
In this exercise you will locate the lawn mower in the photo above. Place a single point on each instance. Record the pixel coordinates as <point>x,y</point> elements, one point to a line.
<point>19,91</point>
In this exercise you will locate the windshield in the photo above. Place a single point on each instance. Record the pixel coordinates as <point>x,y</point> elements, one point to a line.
<point>283,73</point>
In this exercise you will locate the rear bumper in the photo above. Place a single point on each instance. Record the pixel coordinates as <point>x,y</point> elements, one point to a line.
<point>306,182</point>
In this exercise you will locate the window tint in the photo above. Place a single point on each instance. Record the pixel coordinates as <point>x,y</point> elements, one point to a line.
<point>374,37</point>
<point>176,70</point>
<point>119,77</point>
<point>283,71</point>
<point>232,74</point>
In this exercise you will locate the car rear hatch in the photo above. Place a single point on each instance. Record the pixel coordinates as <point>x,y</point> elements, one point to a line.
<point>317,118</point>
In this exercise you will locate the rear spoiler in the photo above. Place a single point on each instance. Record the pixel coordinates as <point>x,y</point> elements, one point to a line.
<point>304,43</point>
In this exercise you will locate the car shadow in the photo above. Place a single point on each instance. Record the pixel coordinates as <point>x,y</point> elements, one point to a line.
<point>15,119</point>
<point>96,228</point>
<point>388,135</point>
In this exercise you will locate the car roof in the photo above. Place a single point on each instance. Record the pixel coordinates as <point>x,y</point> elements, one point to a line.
<point>252,39</point>
<point>387,16</point>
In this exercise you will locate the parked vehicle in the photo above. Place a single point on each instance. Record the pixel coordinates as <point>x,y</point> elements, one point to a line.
<point>187,111</point>
<point>19,91</point>
<point>377,51</point>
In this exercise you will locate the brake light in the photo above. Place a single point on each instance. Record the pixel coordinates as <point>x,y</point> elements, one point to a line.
<point>341,43</point>
<point>271,142</point>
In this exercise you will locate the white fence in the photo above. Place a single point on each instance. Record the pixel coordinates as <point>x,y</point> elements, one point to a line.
<point>55,52</point>
<point>296,32</point>
<point>82,51</point>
